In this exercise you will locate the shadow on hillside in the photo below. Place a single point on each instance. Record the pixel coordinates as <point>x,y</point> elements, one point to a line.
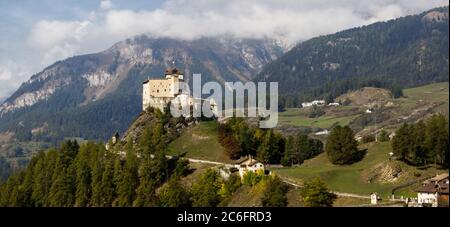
<point>358,156</point>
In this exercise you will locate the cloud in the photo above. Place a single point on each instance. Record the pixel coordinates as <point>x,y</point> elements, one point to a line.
<point>11,76</point>
<point>106,4</point>
<point>58,39</point>
<point>5,73</point>
<point>289,20</point>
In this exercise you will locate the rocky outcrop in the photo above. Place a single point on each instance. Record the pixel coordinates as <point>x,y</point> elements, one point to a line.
<point>386,172</point>
<point>173,126</point>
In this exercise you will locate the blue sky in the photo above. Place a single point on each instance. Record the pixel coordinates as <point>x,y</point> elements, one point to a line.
<point>36,33</point>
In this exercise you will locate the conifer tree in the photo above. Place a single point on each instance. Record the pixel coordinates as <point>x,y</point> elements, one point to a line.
<point>153,172</point>
<point>97,159</point>
<point>274,193</point>
<point>341,146</point>
<point>107,185</point>
<point>316,194</point>
<point>174,194</point>
<point>42,177</point>
<point>62,189</point>
<point>205,192</point>
<point>129,178</point>
<point>83,178</point>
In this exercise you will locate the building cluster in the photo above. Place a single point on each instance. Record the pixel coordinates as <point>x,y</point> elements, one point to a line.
<point>319,103</point>
<point>434,192</point>
<point>313,103</point>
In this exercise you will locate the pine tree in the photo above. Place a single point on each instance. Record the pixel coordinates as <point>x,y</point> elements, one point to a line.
<point>26,187</point>
<point>289,152</point>
<point>182,168</point>
<point>402,141</point>
<point>153,173</point>
<point>341,147</point>
<point>107,185</point>
<point>96,162</point>
<point>129,179</point>
<point>417,153</point>
<point>146,192</point>
<point>274,193</point>
<point>436,139</point>
<point>145,142</point>
<point>174,194</point>
<point>62,189</point>
<point>316,194</point>
<point>83,178</point>
<point>205,192</point>
<point>42,177</point>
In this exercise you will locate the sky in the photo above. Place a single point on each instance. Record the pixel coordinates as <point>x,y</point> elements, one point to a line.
<point>35,34</point>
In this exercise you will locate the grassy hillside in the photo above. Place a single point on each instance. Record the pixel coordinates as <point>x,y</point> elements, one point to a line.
<point>417,103</point>
<point>293,116</point>
<point>200,142</point>
<point>356,178</point>
<point>437,94</point>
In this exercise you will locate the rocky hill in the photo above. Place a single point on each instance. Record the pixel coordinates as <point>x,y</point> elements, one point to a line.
<point>367,96</point>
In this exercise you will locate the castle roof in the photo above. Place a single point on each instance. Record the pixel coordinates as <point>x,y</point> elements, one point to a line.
<point>172,71</point>
<point>168,71</point>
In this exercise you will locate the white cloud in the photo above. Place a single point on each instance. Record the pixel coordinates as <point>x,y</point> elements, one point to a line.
<point>106,4</point>
<point>294,20</point>
<point>11,76</point>
<point>58,39</point>
<point>5,73</point>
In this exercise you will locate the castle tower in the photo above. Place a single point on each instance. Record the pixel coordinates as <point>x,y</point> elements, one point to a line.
<point>159,92</point>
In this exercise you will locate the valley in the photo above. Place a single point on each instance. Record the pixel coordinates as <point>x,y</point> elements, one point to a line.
<point>362,121</point>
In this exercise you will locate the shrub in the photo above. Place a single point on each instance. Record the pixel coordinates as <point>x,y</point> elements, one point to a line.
<point>316,194</point>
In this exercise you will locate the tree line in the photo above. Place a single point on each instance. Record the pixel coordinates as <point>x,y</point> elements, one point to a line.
<point>268,146</point>
<point>424,142</point>
<point>126,175</point>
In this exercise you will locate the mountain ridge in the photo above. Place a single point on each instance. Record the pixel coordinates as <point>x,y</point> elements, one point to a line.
<point>95,86</point>
<point>403,52</point>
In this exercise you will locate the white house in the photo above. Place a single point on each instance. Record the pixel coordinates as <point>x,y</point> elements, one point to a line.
<point>248,164</point>
<point>434,192</point>
<point>333,104</point>
<point>323,132</point>
<point>374,198</point>
<point>313,103</point>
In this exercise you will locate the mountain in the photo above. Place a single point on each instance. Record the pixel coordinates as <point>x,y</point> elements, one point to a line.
<point>92,96</point>
<point>400,53</point>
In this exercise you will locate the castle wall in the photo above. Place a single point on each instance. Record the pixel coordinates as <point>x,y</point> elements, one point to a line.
<point>158,93</point>
<point>161,88</point>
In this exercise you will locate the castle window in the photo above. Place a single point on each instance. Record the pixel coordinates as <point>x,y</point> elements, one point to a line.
<point>157,91</point>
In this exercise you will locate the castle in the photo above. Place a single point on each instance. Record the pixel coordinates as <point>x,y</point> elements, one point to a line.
<point>159,93</point>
